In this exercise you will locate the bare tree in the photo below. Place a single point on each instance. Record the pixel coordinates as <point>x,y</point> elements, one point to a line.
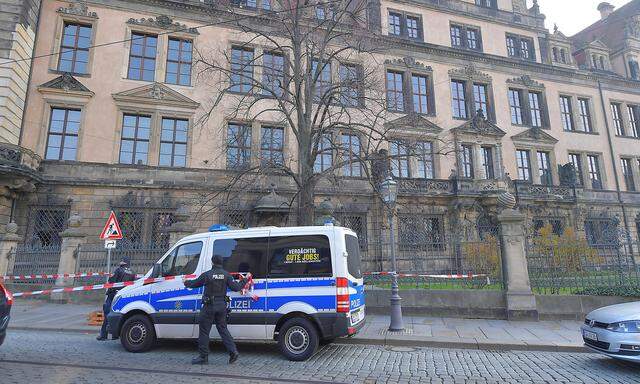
<point>312,68</point>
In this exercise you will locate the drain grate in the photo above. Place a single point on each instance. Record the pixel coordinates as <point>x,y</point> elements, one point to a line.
<point>406,331</point>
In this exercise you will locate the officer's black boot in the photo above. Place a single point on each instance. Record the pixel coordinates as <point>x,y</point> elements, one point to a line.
<point>233,357</point>
<point>200,360</point>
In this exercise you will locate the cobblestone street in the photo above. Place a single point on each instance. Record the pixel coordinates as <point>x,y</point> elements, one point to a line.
<point>50,357</point>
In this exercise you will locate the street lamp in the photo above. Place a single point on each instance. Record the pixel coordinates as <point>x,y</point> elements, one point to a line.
<point>389,192</point>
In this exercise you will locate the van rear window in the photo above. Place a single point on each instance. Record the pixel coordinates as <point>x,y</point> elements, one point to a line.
<point>353,259</point>
<point>293,256</point>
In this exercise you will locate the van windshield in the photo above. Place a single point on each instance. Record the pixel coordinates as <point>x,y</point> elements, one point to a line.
<point>353,258</point>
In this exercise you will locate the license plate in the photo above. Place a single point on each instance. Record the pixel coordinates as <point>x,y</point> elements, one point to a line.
<point>590,335</point>
<point>357,316</point>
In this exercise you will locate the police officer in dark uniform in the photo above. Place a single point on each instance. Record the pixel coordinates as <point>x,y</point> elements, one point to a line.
<point>214,308</point>
<point>121,274</point>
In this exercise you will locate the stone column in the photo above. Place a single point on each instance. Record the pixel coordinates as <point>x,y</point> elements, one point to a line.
<point>8,241</point>
<point>478,169</point>
<point>72,237</point>
<point>521,303</point>
<point>498,162</point>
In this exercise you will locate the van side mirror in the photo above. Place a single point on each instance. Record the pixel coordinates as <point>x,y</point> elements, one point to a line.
<point>157,271</point>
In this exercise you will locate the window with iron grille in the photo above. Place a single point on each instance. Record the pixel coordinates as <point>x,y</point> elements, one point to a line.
<point>179,59</point>
<point>627,172</point>
<point>557,225</point>
<point>236,218</point>
<point>145,227</point>
<point>134,143</point>
<point>576,160</point>
<point>467,162</point>
<point>524,165</point>
<point>45,224</point>
<point>358,223</point>
<point>424,153</point>
<point>142,57</point>
<point>618,123</point>
<point>544,166</point>
<point>585,115</point>
<point>566,113</point>
<point>271,146</point>
<point>173,143</point>
<point>399,159</point>
<point>62,140</point>
<point>395,94</point>
<point>594,171</point>
<point>420,232</point>
<point>74,48</point>
<point>351,155</point>
<point>241,69</point>
<point>324,157</point>
<point>601,232</point>
<point>238,146</point>
<point>273,71</point>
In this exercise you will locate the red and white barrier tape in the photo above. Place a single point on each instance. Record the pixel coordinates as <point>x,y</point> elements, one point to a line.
<point>56,276</point>
<point>247,289</point>
<point>452,276</point>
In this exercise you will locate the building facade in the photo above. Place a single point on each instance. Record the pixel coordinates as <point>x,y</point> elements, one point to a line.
<point>481,98</point>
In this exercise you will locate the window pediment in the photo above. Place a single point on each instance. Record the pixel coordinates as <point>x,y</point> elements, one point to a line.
<point>408,62</point>
<point>479,126</point>
<point>526,81</point>
<point>65,84</point>
<point>470,72</point>
<point>155,94</point>
<point>534,136</point>
<point>77,9</point>
<point>413,123</point>
<point>163,22</point>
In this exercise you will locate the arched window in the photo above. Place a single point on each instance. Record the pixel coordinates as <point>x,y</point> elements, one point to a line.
<point>555,54</point>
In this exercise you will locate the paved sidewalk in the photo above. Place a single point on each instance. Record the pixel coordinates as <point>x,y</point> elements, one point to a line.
<point>561,336</point>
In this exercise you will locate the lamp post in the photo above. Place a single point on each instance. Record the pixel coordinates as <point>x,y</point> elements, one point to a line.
<point>389,192</point>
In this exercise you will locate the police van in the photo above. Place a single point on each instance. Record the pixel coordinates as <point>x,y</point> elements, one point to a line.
<point>308,288</point>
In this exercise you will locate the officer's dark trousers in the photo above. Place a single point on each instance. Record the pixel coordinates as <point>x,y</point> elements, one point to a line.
<point>106,308</point>
<point>209,314</point>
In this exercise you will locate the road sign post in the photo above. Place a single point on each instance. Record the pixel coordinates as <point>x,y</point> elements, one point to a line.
<point>110,233</point>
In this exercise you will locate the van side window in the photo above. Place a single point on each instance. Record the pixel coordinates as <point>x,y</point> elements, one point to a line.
<point>183,260</point>
<point>296,256</point>
<point>244,255</point>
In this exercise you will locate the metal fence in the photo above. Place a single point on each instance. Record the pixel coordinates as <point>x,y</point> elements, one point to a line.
<point>93,258</point>
<point>425,248</point>
<point>569,264</point>
<point>29,259</point>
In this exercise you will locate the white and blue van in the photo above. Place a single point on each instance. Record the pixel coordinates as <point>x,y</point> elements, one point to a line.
<point>307,280</point>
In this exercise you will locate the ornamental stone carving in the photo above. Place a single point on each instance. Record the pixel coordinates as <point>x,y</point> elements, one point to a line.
<point>526,81</point>
<point>632,29</point>
<point>408,62</point>
<point>469,72</point>
<point>163,22</point>
<point>77,9</point>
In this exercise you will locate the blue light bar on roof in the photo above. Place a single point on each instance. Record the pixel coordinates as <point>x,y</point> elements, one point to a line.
<point>218,228</point>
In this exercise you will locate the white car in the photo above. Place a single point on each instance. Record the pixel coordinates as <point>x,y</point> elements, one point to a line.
<point>614,331</point>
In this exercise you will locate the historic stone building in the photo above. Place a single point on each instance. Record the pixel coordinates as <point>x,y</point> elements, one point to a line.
<point>498,100</point>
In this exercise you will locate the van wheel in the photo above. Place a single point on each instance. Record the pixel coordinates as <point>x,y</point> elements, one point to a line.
<point>298,339</point>
<point>137,334</point>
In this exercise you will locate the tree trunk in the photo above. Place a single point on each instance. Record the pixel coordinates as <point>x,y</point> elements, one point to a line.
<point>306,204</point>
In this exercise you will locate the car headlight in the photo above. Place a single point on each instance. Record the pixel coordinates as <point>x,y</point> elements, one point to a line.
<point>625,326</point>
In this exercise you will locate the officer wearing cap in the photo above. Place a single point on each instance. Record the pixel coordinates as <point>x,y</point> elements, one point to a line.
<point>121,274</point>
<point>214,308</point>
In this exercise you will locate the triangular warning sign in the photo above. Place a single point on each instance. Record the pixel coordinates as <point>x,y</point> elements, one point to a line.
<point>112,229</point>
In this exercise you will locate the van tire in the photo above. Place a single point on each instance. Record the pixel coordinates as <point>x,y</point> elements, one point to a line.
<point>298,339</point>
<point>137,334</point>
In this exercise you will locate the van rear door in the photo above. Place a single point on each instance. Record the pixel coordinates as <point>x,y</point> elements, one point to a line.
<point>356,282</point>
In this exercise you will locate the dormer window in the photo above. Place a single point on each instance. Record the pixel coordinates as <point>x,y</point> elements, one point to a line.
<point>634,69</point>
<point>487,3</point>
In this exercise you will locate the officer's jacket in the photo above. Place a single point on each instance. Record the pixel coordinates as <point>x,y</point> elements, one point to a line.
<point>216,281</point>
<point>122,273</point>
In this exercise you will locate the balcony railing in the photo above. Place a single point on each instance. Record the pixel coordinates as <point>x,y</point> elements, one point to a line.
<point>548,192</point>
<point>425,186</point>
<point>18,158</point>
